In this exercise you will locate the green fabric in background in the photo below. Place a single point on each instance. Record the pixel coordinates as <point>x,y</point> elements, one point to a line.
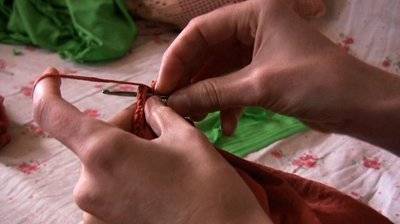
<point>83,31</point>
<point>257,129</point>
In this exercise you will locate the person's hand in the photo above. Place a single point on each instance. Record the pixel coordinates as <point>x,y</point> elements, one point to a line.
<point>260,53</point>
<point>176,178</point>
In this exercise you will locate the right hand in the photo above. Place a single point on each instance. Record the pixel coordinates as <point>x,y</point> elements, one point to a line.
<point>260,53</point>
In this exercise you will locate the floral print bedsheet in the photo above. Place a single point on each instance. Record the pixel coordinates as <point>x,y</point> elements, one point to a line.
<point>37,173</point>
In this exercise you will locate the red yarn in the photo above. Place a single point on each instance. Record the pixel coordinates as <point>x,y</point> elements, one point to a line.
<point>85,78</point>
<point>4,124</point>
<point>139,126</point>
<point>285,197</point>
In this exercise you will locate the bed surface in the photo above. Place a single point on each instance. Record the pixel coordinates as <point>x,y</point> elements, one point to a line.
<point>37,173</point>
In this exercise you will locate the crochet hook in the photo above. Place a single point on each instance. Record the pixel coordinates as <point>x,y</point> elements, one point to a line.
<point>133,94</point>
<point>128,93</point>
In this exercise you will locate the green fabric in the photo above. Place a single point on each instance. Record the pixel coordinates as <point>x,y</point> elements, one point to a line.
<point>257,129</point>
<point>83,31</point>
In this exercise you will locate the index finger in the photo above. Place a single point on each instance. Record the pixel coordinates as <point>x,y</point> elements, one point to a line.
<point>64,121</point>
<point>188,51</point>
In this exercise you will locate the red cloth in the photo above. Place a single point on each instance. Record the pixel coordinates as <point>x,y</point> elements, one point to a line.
<point>285,197</point>
<point>289,198</point>
<point>4,123</point>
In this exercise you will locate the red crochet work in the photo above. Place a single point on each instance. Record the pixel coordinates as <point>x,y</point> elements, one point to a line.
<point>286,198</point>
<point>4,124</point>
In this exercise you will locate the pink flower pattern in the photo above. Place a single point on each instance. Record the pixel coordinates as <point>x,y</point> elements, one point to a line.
<point>371,163</point>
<point>3,64</point>
<point>92,113</point>
<point>34,130</point>
<point>125,87</point>
<point>27,90</point>
<point>386,63</point>
<point>305,161</point>
<point>3,67</point>
<point>355,195</point>
<point>98,86</point>
<point>28,168</point>
<point>391,62</point>
<point>277,154</point>
<point>346,42</point>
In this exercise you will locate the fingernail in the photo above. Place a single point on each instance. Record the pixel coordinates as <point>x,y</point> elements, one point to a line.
<point>48,85</point>
<point>51,70</point>
<point>228,129</point>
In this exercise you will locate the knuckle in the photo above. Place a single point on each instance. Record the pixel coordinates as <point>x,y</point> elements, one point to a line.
<point>193,134</point>
<point>86,197</point>
<point>196,22</point>
<point>270,4</point>
<point>100,152</point>
<point>40,109</point>
<point>211,93</point>
<point>269,7</point>
<point>80,198</point>
<point>265,85</point>
<point>257,81</point>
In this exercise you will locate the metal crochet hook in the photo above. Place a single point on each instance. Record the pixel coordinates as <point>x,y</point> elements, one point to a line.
<point>131,94</point>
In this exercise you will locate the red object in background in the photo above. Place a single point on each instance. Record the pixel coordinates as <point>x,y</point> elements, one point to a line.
<point>4,123</point>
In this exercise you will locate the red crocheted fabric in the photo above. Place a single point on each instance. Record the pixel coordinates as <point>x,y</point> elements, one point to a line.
<point>139,125</point>
<point>285,197</point>
<point>4,123</point>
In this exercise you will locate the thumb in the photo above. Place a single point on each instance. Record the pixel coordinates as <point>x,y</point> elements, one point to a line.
<point>219,93</point>
<point>162,119</point>
<point>50,86</point>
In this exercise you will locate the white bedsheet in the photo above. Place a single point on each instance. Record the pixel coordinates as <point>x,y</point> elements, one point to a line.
<point>37,173</point>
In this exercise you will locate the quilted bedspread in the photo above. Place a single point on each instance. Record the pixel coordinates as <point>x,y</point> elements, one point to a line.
<point>37,173</point>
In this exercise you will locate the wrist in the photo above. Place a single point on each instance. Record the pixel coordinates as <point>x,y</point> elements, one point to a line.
<point>375,116</point>
<point>226,199</point>
<point>379,123</point>
<point>234,214</point>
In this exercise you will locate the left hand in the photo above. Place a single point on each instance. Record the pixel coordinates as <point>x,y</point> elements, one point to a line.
<point>176,178</point>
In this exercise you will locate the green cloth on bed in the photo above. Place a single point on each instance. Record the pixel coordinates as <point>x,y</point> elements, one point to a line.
<point>257,129</point>
<point>83,31</point>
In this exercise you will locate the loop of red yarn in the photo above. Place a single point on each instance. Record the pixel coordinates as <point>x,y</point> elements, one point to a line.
<point>86,78</point>
<point>139,125</point>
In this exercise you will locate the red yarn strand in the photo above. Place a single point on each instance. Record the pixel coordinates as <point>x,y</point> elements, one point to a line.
<point>138,117</point>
